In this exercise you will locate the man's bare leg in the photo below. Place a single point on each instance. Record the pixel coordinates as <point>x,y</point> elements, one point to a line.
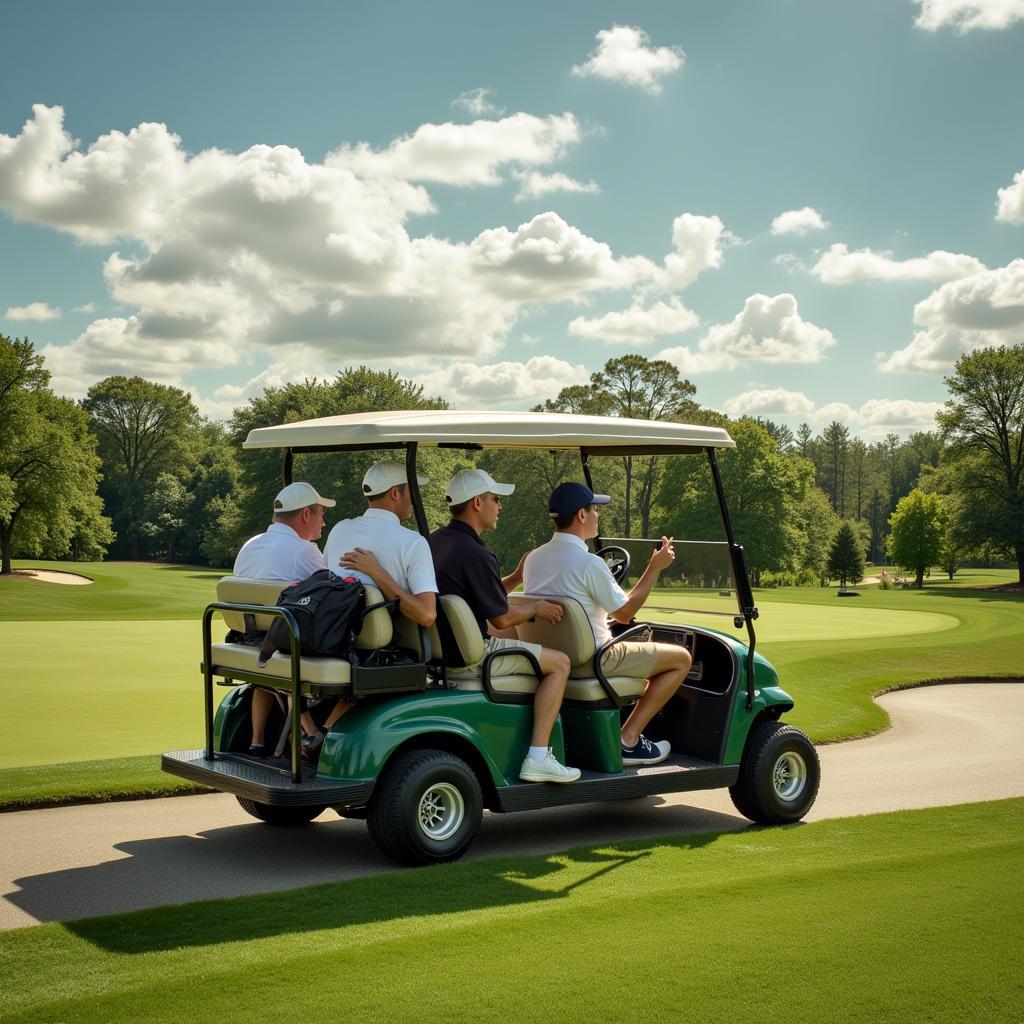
<point>670,669</point>
<point>550,691</point>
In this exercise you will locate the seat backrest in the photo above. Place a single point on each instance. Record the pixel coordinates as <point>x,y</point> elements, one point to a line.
<point>463,630</point>
<point>376,630</point>
<point>574,635</point>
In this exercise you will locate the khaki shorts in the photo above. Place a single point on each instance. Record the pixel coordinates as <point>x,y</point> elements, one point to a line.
<point>507,665</point>
<point>628,659</point>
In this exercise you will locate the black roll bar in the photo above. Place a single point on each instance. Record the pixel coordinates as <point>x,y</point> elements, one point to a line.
<point>744,595</point>
<point>585,458</point>
<point>296,679</point>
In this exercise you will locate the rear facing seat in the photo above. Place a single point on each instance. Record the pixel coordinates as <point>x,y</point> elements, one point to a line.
<point>575,636</point>
<point>326,675</point>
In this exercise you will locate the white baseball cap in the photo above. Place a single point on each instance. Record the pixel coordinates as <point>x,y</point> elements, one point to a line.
<point>470,482</point>
<point>382,476</point>
<point>300,495</point>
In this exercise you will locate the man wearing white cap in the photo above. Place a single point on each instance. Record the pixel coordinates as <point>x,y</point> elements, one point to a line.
<point>285,552</point>
<point>467,568</point>
<point>377,549</point>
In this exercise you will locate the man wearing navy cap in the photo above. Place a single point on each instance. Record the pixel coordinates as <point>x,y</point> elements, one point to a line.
<point>566,567</point>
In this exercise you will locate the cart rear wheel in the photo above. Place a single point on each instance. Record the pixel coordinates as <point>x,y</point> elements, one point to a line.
<point>426,808</point>
<point>779,775</point>
<point>273,814</point>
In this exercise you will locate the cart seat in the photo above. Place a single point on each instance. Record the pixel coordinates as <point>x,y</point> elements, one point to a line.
<point>575,636</point>
<point>323,674</point>
<point>464,648</point>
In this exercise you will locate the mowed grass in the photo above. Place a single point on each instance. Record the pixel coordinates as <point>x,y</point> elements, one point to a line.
<point>903,917</point>
<point>98,677</point>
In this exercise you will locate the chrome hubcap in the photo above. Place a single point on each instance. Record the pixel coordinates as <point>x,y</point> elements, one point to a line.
<point>441,812</point>
<point>789,776</point>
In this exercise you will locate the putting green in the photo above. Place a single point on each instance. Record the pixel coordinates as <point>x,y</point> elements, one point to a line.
<point>780,620</point>
<point>81,691</point>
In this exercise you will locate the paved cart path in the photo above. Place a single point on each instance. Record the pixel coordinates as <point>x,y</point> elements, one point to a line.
<point>947,745</point>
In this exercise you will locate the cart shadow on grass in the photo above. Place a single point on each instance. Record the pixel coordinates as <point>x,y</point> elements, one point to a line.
<point>194,868</point>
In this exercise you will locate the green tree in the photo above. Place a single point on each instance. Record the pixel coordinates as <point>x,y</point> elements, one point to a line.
<point>764,489</point>
<point>983,426</point>
<point>917,526</point>
<point>48,463</point>
<point>638,388</point>
<point>144,429</point>
<point>335,475</point>
<point>818,524</point>
<point>846,556</point>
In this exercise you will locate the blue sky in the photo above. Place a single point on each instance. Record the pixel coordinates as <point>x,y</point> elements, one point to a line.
<point>811,208</point>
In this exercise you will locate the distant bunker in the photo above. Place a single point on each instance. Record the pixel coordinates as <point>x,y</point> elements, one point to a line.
<point>51,576</point>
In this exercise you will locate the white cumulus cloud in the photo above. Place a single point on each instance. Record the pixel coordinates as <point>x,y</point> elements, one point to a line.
<point>223,258</point>
<point>798,222</point>
<point>982,310</point>
<point>765,402</point>
<point>1011,200</point>
<point>33,311</point>
<point>637,325</point>
<point>964,15</point>
<point>507,384</point>
<point>623,54</point>
<point>464,154</point>
<point>534,184</point>
<point>767,330</point>
<point>478,103</point>
<point>838,265</point>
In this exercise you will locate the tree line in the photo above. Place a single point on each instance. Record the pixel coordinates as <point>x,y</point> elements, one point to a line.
<point>133,471</point>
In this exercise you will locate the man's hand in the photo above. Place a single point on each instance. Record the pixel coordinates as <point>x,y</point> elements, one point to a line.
<point>549,611</point>
<point>664,555</point>
<point>362,561</point>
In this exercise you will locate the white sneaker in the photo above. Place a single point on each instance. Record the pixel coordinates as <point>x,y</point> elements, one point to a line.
<point>548,770</point>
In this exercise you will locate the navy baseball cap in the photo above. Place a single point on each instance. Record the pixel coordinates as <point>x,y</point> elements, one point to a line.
<point>568,498</point>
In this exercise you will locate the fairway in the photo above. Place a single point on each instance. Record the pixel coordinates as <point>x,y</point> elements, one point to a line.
<point>781,621</point>
<point>902,917</point>
<point>101,689</point>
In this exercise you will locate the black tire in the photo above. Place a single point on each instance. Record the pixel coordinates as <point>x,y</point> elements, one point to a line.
<point>426,808</point>
<point>779,775</point>
<point>285,817</point>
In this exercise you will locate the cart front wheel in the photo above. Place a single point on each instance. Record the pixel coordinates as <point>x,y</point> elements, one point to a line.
<point>779,775</point>
<point>426,808</point>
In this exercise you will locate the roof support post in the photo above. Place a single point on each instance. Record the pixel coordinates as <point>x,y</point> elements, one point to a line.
<point>414,489</point>
<point>744,595</point>
<point>585,458</point>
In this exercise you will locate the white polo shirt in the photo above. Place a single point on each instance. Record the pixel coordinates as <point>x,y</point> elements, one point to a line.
<point>404,554</point>
<point>278,554</point>
<point>565,567</point>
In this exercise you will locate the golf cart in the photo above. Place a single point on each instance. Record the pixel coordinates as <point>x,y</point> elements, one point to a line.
<point>420,755</point>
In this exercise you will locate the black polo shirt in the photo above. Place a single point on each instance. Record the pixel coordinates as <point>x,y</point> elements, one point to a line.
<point>466,567</point>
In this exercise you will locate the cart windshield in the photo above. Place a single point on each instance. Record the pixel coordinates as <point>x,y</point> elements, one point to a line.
<point>699,582</point>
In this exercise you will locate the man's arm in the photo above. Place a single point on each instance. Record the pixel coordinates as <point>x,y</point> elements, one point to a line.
<point>664,555</point>
<point>514,578</point>
<point>521,611</point>
<point>421,608</point>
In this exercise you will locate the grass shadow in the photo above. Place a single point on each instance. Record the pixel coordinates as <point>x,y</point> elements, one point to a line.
<point>384,894</point>
<point>444,889</point>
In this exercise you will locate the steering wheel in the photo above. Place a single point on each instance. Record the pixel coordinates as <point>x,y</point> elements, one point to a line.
<point>617,559</point>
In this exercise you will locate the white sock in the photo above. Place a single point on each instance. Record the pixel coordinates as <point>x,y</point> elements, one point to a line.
<point>538,753</point>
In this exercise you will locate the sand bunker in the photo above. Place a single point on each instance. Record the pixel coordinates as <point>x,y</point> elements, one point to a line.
<point>52,576</point>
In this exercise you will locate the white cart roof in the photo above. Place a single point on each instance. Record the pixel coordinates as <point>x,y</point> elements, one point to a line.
<point>544,431</point>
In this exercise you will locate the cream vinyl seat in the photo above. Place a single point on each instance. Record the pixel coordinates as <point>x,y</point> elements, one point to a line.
<point>575,636</point>
<point>376,632</point>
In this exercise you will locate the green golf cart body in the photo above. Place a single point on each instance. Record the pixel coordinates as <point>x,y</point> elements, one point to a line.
<point>421,755</point>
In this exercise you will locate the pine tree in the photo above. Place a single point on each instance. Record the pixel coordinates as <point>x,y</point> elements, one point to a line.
<point>845,558</point>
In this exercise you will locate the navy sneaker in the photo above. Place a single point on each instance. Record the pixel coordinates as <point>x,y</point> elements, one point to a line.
<point>645,752</point>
